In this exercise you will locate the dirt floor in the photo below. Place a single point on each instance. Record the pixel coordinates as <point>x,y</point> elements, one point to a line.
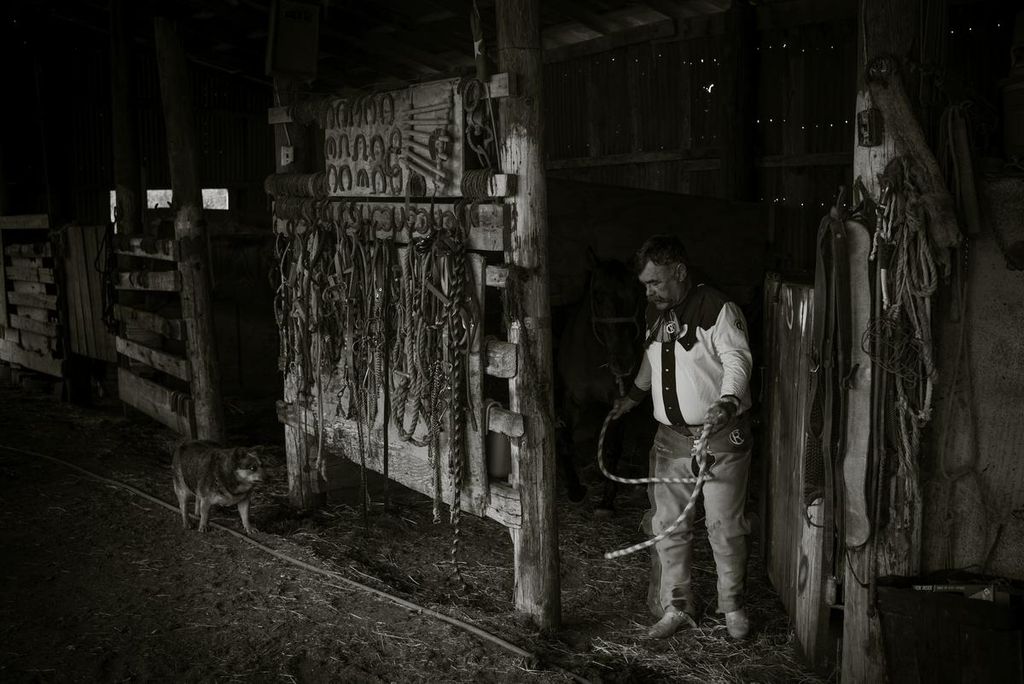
<point>101,585</point>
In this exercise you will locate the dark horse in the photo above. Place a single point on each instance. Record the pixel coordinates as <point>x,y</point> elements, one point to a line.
<point>599,354</point>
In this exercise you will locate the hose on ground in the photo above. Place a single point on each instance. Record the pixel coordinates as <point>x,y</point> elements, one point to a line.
<point>351,584</point>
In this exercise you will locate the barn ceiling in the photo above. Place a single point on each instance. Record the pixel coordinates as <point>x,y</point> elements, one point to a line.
<point>368,43</point>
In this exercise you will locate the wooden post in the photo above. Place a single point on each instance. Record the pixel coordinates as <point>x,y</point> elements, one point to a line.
<point>190,231</point>
<point>537,591</point>
<point>306,488</point>
<point>127,182</point>
<point>738,96</point>
<point>887,28</point>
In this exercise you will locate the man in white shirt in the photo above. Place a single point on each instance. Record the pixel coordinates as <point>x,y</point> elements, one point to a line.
<point>697,367</point>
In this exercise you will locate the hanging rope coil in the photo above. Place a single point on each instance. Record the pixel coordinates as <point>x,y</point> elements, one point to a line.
<point>369,319</point>
<point>899,340</point>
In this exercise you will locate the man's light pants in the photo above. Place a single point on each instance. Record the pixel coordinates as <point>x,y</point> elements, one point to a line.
<point>724,496</point>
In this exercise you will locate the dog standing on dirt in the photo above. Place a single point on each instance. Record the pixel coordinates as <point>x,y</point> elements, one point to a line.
<point>217,476</point>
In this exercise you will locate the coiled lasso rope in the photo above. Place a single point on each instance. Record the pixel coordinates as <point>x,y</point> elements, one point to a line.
<point>698,451</point>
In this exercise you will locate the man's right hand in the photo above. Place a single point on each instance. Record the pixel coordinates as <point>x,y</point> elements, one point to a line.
<point>622,406</point>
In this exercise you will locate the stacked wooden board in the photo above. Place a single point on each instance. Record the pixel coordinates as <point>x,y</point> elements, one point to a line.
<point>29,305</point>
<point>150,378</point>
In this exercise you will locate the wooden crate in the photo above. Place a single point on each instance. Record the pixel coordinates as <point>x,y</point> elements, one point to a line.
<point>29,318</point>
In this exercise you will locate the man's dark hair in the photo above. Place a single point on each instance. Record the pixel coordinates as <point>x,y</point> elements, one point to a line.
<point>661,250</point>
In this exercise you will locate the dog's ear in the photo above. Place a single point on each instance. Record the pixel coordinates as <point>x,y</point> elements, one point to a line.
<point>238,456</point>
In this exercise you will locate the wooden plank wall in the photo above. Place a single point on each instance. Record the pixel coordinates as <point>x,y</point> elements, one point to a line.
<point>88,335</point>
<point>649,116</point>
<point>231,130</point>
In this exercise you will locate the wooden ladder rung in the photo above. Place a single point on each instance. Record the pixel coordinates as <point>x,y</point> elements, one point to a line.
<point>505,422</point>
<point>502,359</point>
<point>162,361</point>
<point>497,276</point>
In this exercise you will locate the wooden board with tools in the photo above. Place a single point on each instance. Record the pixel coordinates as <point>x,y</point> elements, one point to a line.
<point>428,140</point>
<point>398,142</point>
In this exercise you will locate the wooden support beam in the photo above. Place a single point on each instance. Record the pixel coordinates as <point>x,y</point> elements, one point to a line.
<point>886,29</point>
<point>704,159</point>
<point>155,358</point>
<point>173,328</point>
<point>306,486</point>
<point>476,432</point>
<point>537,590</point>
<point>153,281</point>
<point>190,232</point>
<point>580,12</point>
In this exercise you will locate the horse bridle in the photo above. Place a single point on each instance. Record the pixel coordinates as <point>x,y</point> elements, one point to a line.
<point>615,320</point>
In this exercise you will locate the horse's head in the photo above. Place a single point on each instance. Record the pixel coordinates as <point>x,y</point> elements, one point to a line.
<point>615,304</point>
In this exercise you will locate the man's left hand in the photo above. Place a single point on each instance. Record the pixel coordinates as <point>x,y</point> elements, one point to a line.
<point>720,413</point>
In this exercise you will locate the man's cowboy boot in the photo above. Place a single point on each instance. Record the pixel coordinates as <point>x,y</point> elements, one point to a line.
<point>737,623</point>
<point>670,623</point>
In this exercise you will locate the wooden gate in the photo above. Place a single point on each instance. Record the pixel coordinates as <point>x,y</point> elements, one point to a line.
<point>796,539</point>
<point>83,293</point>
